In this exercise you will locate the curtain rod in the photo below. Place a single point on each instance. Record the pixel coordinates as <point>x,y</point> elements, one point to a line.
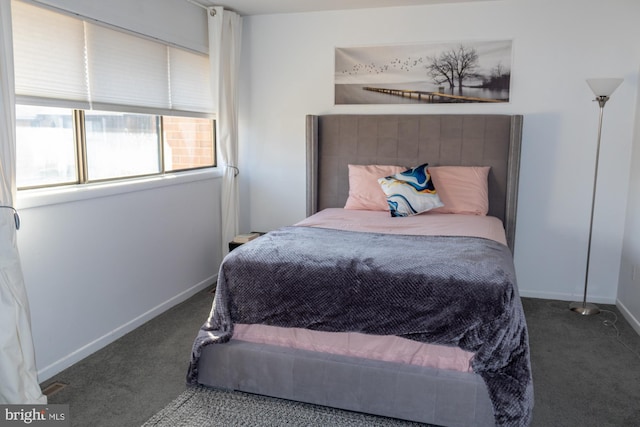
<point>207,8</point>
<point>197,4</point>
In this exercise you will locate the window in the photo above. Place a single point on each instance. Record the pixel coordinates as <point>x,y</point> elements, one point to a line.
<point>187,143</point>
<point>52,149</point>
<point>45,147</point>
<point>121,145</point>
<point>96,103</point>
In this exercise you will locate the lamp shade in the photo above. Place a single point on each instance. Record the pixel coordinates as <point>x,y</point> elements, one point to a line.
<point>604,87</point>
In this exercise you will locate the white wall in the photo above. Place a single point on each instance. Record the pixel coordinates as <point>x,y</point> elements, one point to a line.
<point>629,287</point>
<point>99,264</point>
<point>100,260</point>
<point>557,45</point>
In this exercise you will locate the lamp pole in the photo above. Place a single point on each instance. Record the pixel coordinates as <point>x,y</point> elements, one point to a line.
<point>602,88</point>
<point>586,308</point>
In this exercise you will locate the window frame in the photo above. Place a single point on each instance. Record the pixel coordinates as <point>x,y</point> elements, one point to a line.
<point>47,196</point>
<point>81,159</point>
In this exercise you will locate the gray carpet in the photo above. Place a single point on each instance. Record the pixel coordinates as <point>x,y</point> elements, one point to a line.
<point>586,369</point>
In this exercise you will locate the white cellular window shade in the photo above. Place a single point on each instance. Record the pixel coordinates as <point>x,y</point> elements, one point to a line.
<point>190,81</point>
<point>48,55</point>
<point>62,60</point>
<point>125,69</point>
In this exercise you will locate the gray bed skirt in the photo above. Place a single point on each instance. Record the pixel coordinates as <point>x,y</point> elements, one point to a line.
<point>414,393</point>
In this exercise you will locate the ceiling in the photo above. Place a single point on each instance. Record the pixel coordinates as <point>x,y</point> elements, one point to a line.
<point>265,7</point>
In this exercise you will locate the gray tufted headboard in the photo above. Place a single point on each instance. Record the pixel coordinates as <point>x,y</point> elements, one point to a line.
<point>334,141</point>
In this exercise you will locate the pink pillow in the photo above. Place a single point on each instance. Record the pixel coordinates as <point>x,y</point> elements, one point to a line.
<point>462,189</point>
<point>364,191</point>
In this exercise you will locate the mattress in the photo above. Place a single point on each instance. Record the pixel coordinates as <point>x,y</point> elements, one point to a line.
<point>378,347</point>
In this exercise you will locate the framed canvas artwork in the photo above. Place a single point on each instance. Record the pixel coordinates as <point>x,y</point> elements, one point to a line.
<point>455,72</point>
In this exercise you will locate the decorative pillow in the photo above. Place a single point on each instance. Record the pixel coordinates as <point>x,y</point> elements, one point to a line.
<point>462,189</point>
<point>364,191</point>
<point>410,192</point>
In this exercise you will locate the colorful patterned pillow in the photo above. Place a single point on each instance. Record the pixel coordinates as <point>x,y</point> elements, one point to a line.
<point>410,192</point>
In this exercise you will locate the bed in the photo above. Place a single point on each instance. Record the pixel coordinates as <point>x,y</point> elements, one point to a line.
<point>454,326</point>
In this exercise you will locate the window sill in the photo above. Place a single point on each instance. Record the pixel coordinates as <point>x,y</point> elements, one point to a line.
<point>50,196</point>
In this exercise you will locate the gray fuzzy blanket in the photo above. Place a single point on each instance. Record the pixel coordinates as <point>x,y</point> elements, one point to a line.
<point>445,290</point>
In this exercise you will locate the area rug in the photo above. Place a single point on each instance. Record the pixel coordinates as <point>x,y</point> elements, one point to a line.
<point>200,406</point>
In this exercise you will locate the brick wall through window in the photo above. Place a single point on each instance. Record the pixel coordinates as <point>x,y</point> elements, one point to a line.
<point>188,143</point>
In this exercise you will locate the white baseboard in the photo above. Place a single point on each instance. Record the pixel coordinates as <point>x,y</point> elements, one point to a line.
<point>79,354</point>
<point>633,321</point>
<point>565,296</point>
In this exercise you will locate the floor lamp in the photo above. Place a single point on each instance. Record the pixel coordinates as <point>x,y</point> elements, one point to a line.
<point>602,88</point>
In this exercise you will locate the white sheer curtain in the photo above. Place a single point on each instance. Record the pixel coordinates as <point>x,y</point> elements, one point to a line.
<point>225,33</point>
<point>18,374</point>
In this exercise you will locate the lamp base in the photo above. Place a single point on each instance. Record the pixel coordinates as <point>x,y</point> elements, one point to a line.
<point>585,309</point>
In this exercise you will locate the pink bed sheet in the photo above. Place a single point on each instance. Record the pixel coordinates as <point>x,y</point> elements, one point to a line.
<point>427,224</point>
<point>385,348</point>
